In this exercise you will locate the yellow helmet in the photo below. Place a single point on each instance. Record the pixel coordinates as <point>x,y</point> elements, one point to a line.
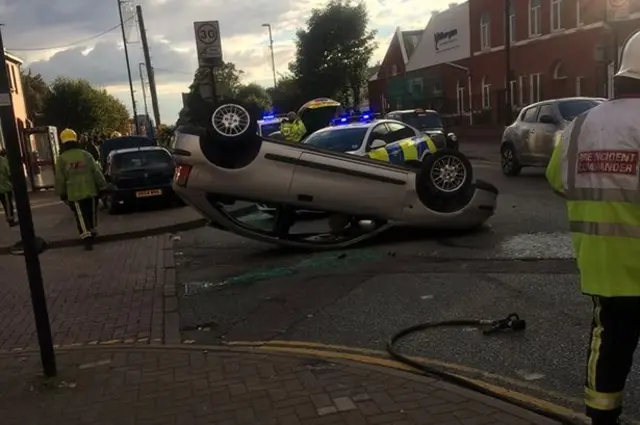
<point>116,134</point>
<point>68,135</point>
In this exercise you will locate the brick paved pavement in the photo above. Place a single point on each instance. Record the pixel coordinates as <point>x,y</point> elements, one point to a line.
<point>184,386</point>
<point>116,292</point>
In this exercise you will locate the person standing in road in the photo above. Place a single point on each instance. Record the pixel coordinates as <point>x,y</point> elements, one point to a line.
<point>292,128</point>
<point>79,182</point>
<point>594,166</point>
<point>6,190</point>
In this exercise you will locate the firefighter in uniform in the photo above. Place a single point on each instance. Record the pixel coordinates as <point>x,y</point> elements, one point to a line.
<point>79,182</point>
<point>292,128</point>
<point>594,166</point>
<point>6,190</point>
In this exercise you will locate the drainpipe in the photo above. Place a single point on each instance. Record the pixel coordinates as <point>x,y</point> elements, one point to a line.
<point>468,71</point>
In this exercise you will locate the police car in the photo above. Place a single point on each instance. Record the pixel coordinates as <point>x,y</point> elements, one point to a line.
<point>269,124</point>
<point>383,139</point>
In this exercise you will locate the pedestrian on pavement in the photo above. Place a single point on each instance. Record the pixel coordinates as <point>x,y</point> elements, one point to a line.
<point>595,168</point>
<point>292,128</point>
<point>79,182</point>
<point>6,190</point>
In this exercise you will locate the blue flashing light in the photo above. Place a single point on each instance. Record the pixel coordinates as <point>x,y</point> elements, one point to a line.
<point>269,117</point>
<point>365,117</point>
<point>344,119</point>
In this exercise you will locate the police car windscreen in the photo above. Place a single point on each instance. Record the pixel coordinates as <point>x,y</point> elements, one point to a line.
<point>338,139</point>
<point>142,159</point>
<point>424,121</point>
<point>572,108</point>
<point>270,128</point>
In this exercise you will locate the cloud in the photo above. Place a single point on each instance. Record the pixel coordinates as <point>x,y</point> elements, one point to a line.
<point>58,23</point>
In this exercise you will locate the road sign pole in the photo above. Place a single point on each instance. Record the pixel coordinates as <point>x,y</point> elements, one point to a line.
<point>209,48</point>
<point>32,262</point>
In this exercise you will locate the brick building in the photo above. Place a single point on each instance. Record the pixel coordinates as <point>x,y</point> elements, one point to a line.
<point>12,68</point>
<point>384,85</point>
<point>558,48</point>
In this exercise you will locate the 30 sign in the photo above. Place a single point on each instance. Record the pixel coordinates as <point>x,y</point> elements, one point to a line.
<point>208,43</point>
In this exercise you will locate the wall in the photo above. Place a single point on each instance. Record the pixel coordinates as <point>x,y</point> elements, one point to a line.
<point>445,39</point>
<point>569,61</point>
<point>12,67</point>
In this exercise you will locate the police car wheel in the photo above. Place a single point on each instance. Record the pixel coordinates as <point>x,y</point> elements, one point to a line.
<point>446,174</point>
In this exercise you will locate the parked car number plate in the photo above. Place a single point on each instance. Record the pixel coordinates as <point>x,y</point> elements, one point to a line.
<point>148,193</point>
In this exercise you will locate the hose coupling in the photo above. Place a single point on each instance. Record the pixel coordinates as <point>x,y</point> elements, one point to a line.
<point>511,322</point>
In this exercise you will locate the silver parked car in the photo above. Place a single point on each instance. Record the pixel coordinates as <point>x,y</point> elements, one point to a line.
<point>530,140</point>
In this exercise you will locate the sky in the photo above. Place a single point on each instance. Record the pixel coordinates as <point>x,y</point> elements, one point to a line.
<point>45,34</point>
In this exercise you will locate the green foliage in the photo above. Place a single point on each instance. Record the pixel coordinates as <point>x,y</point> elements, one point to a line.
<point>35,92</point>
<point>286,96</point>
<point>165,134</point>
<point>256,94</point>
<point>76,104</point>
<point>332,54</point>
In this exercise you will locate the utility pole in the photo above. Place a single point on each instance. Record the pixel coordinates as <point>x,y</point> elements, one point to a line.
<point>31,259</point>
<point>150,74</point>
<point>144,94</point>
<point>126,56</point>
<point>273,59</point>
<point>507,62</point>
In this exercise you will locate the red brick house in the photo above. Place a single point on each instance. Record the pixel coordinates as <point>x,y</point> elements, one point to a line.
<point>401,47</point>
<point>558,48</point>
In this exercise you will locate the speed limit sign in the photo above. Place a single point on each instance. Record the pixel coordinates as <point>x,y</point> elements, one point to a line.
<point>208,43</point>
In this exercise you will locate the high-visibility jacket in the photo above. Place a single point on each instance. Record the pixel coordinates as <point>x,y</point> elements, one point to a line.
<point>5,176</point>
<point>594,166</point>
<point>293,131</point>
<point>78,176</point>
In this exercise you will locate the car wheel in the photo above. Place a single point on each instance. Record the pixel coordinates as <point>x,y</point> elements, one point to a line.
<point>509,161</point>
<point>232,122</point>
<point>446,174</point>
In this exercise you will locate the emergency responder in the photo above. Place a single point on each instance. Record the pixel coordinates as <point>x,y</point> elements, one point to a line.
<point>594,166</point>
<point>292,128</point>
<point>79,182</point>
<point>115,134</point>
<point>6,190</point>
<point>86,142</point>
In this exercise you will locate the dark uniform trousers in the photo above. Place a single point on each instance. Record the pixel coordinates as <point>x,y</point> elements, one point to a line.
<point>86,213</point>
<point>6,198</point>
<point>615,332</point>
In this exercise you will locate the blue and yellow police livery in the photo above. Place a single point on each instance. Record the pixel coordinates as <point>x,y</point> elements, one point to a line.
<point>405,150</point>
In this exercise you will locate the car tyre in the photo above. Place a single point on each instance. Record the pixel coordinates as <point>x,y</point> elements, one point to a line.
<point>446,174</point>
<point>233,122</point>
<point>509,160</point>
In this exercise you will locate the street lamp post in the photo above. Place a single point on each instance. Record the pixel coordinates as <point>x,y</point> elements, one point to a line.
<point>273,60</point>
<point>9,134</point>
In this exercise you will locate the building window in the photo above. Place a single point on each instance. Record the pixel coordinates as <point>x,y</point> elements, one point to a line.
<point>556,15</point>
<point>460,98</point>
<point>521,82</point>
<point>394,69</point>
<point>485,31</point>
<point>513,87</point>
<point>579,10</point>
<point>579,81</point>
<point>534,88</point>
<point>416,86</point>
<point>486,94</point>
<point>512,22</point>
<point>414,40</point>
<point>534,18</point>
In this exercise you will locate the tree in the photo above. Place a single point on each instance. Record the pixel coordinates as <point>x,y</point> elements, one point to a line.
<point>165,134</point>
<point>286,96</point>
<point>35,91</point>
<point>256,94</point>
<point>332,54</point>
<point>227,79</point>
<point>76,104</point>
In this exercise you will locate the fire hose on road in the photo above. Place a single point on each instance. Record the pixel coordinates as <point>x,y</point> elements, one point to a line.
<point>511,323</point>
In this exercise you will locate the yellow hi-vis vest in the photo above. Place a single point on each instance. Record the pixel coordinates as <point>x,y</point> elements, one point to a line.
<point>595,168</point>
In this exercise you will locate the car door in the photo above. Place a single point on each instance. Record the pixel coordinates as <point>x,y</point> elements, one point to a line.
<point>378,132</point>
<point>544,141</point>
<point>526,134</point>
<point>397,133</point>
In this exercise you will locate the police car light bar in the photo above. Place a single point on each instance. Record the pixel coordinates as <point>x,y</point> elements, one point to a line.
<point>354,118</point>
